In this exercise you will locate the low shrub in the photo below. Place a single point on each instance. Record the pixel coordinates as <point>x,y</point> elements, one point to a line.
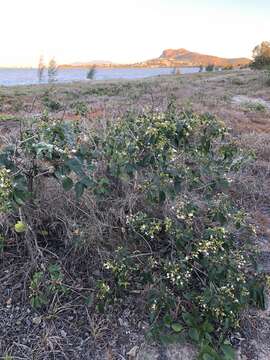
<point>181,242</point>
<point>255,106</point>
<point>50,103</point>
<point>46,285</point>
<point>80,108</point>
<point>237,81</point>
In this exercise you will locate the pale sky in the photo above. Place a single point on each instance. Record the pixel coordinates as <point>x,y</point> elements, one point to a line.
<point>128,30</point>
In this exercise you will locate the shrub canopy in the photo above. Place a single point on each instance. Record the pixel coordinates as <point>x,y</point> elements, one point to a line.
<point>181,243</point>
<point>261,55</point>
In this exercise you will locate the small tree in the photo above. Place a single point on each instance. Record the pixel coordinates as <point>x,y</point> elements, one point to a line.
<point>91,73</point>
<point>210,67</point>
<point>261,56</point>
<point>52,71</point>
<point>41,69</point>
<point>176,71</point>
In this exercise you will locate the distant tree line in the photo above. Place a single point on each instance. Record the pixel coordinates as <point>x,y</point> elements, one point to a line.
<point>52,71</point>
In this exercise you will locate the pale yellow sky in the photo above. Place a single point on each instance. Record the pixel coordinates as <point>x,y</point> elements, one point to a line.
<point>128,30</point>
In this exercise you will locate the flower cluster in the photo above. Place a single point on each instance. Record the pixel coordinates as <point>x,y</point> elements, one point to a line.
<point>144,225</point>
<point>5,189</point>
<point>177,273</point>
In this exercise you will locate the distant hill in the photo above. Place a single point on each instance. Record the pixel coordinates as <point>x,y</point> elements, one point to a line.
<point>88,64</point>
<point>91,63</point>
<point>168,58</point>
<point>189,58</point>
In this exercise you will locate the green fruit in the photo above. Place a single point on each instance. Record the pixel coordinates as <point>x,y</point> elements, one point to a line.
<point>20,227</point>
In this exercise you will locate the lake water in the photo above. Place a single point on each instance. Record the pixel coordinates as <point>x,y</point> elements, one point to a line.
<point>9,77</point>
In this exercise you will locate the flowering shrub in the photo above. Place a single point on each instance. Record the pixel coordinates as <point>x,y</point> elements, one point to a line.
<point>185,244</point>
<point>184,247</point>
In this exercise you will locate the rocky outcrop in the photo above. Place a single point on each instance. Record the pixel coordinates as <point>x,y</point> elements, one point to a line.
<point>170,58</point>
<point>195,59</point>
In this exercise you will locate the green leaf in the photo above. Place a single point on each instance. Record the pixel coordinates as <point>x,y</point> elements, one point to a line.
<point>67,183</point>
<point>228,350</point>
<point>167,320</point>
<point>162,196</point>
<point>89,300</point>
<point>79,189</point>
<point>54,268</point>
<point>20,183</point>
<point>207,357</point>
<point>194,334</point>
<point>177,185</point>
<point>177,327</point>
<point>207,352</point>
<point>19,198</point>
<point>83,149</point>
<point>257,294</point>
<point>75,165</point>
<point>166,339</point>
<point>188,319</point>
<point>207,327</point>
<point>86,181</point>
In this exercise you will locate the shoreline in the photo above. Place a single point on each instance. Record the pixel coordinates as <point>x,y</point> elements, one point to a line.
<point>153,73</point>
<point>68,67</point>
<point>118,81</point>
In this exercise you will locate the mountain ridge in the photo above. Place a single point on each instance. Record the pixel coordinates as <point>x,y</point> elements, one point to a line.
<point>187,56</point>
<point>171,58</point>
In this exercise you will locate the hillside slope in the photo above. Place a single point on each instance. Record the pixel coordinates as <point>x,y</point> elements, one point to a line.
<point>190,58</point>
<point>170,58</point>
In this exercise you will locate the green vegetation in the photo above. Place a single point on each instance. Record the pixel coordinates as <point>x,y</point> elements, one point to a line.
<point>255,106</point>
<point>237,81</point>
<point>261,55</point>
<point>210,68</point>
<point>91,73</point>
<point>161,181</point>
<point>52,71</point>
<point>123,216</point>
<point>8,357</point>
<point>50,103</point>
<point>80,108</point>
<point>45,285</point>
<point>7,117</point>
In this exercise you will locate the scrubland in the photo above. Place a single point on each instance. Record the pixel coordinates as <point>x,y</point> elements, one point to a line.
<point>136,215</point>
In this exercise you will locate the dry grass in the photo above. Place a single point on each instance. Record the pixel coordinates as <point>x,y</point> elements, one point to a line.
<point>207,92</point>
